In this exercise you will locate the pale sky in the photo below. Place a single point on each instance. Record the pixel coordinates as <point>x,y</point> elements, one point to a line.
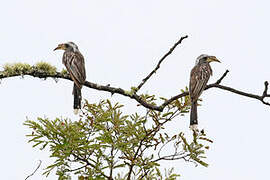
<point>122,41</point>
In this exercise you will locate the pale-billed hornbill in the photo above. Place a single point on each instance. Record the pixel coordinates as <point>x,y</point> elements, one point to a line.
<point>199,77</point>
<point>74,62</point>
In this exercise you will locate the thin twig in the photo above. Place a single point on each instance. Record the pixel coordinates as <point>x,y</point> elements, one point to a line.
<point>159,62</point>
<point>222,77</point>
<point>145,173</point>
<point>34,170</point>
<point>111,163</point>
<point>265,93</point>
<point>265,89</point>
<point>172,157</point>
<point>71,170</point>
<point>90,164</point>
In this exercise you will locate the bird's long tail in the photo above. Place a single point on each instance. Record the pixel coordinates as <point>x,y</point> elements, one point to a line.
<point>77,98</point>
<point>193,114</point>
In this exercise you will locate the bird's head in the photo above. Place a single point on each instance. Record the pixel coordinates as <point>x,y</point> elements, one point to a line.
<point>204,58</point>
<point>69,46</point>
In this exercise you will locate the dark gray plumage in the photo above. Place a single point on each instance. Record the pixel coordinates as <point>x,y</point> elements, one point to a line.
<point>199,77</point>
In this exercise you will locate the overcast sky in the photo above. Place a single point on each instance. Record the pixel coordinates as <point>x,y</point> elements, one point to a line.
<point>122,41</point>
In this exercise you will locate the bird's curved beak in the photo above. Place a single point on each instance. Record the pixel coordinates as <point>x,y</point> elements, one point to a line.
<point>212,59</point>
<point>60,46</point>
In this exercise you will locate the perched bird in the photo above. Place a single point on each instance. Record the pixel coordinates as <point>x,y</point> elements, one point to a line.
<point>74,62</point>
<point>199,77</point>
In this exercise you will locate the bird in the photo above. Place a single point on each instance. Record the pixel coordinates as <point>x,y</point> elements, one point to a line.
<point>74,63</point>
<point>199,77</point>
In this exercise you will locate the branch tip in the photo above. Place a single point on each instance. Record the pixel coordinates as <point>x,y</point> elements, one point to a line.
<point>159,62</point>
<point>222,77</point>
<point>35,170</point>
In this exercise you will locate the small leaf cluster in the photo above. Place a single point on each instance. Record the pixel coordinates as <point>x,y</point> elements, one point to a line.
<point>196,148</point>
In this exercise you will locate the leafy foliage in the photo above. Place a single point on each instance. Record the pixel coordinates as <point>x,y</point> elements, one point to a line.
<point>107,144</point>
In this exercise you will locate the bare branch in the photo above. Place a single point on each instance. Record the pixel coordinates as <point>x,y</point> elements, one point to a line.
<point>159,62</point>
<point>34,170</point>
<point>235,91</point>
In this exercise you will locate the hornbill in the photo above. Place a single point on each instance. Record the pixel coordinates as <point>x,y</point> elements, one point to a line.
<point>199,77</point>
<point>74,62</point>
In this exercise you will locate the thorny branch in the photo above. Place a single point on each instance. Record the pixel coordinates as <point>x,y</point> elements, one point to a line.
<point>133,95</point>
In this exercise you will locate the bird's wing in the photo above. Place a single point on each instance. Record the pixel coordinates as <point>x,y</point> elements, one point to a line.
<point>74,63</point>
<point>198,80</point>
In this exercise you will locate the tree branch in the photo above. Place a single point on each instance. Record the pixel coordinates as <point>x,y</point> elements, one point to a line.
<point>138,98</point>
<point>159,62</point>
<point>226,88</point>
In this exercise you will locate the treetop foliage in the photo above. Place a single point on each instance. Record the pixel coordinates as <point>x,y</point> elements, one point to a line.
<point>107,144</point>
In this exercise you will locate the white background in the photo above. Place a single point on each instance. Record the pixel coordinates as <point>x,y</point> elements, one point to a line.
<point>122,41</point>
